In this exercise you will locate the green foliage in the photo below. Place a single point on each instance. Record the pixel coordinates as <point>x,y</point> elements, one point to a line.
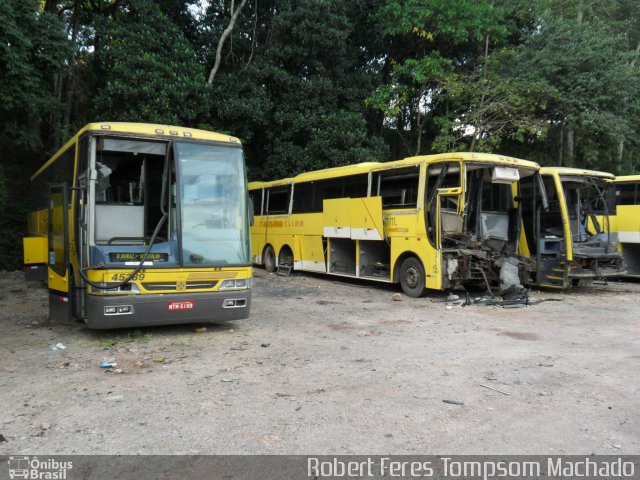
<point>297,96</point>
<point>312,84</point>
<point>32,51</point>
<point>146,70</point>
<point>432,43</point>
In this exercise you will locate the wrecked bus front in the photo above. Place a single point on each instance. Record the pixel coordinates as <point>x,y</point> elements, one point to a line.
<point>572,241</point>
<point>478,226</point>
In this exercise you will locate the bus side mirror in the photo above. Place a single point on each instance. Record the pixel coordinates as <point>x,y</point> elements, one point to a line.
<point>251,212</point>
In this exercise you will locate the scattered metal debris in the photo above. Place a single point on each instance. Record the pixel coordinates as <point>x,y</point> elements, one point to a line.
<point>494,389</point>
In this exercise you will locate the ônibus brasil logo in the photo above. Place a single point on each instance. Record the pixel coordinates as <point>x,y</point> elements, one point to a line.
<point>33,468</point>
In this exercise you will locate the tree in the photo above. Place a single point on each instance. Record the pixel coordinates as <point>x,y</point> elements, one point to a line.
<point>589,81</point>
<point>33,50</point>
<point>145,70</point>
<point>292,85</point>
<point>430,43</point>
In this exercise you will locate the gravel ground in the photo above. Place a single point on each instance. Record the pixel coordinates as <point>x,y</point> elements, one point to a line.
<point>329,367</point>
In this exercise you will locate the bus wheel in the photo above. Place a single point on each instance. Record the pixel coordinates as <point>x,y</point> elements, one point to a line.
<point>269,258</point>
<point>412,277</point>
<point>285,259</point>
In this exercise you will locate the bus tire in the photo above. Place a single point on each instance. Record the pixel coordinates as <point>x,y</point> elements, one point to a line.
<point>412,277</point>
<point>269,258</point>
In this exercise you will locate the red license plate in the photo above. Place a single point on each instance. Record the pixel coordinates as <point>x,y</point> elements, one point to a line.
<point>174,306</point>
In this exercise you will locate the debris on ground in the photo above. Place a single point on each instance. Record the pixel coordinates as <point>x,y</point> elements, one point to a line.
<point>159,359</point>
<point>200,329</point>
<point>396,297</point>
<point>108,364</point>
<point>265,345</point>
<point>57,346</point>
<point>453,402</point>
<point>494,389</point>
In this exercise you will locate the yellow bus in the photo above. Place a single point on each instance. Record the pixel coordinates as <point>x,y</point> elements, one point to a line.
<point>626,221</point>
<point>438,221</point>
<point>572,240</point>
<point>140,224</point>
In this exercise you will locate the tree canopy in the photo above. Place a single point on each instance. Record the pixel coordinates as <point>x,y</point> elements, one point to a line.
<point>308,84</point>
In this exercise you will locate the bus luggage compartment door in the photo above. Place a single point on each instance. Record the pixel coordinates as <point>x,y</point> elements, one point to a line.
<point>366,218</point>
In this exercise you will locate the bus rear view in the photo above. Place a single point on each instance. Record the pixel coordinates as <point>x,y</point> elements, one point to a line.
<point>145,225</point>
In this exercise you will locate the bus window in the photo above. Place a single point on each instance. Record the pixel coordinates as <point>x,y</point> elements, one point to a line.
<point>308,196</point>
<point>303,198</point>
<point>128,189</point>
<point>356,186</point>
<point>626,194</point>
<point>441,175</point>
<point>398,187</point>
<point>278,199</point>
<point>255,197</point>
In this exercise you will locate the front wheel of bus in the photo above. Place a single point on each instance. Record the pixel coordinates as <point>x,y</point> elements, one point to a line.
<point>412,277</point>
<point>269,258</point>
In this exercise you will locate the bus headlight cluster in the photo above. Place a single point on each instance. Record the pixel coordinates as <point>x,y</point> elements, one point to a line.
<point>107,288</point>
<point>236,284</point>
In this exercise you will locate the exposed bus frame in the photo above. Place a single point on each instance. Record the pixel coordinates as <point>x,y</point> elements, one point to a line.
<point>562,258</point>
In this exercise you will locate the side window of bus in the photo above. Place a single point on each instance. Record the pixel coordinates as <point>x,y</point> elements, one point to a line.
<point>626,194</point>
<point>278,199</point>
<point>255,197</point>
<point>441,175</point>
<point>398,187</point>
<point>303,198</point>
<point>435,178</point>
<point>356,186</point>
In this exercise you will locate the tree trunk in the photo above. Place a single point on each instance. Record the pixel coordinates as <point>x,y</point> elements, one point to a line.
<point>561,146</point>
<point>620,152</point>
<point>570,146</point>
<point>71,85</point>
<point>478,131</point>
<point>223,37</point>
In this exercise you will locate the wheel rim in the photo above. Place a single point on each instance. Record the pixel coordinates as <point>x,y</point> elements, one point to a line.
<point>412,277</point>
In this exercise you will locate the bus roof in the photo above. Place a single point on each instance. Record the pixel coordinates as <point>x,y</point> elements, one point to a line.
<point>471,157</point>
<point>627,178</point>
<point>149,130</point>
<point>366,167</point>
<point>576,172</point>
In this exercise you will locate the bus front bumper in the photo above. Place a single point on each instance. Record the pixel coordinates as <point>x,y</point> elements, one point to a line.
<point>126,311</point>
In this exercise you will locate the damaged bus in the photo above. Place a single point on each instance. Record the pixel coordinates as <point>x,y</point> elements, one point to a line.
<point>438,222</point>
<point>136,224</point>
<point>625,220</point>
<point>571,241</point>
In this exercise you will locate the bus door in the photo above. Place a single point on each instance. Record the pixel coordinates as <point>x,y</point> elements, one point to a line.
<point>58,250</point>
<point>550,244</point>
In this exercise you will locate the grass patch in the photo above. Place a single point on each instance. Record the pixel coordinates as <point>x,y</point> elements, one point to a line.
<point>137,337</point>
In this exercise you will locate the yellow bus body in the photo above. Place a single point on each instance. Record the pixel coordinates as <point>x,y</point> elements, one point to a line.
<point>157,294</point>
<point>625,220</point>
<point>360,233</point>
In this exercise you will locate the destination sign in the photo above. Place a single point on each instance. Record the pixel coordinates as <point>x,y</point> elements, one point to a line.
<point>122,257</point>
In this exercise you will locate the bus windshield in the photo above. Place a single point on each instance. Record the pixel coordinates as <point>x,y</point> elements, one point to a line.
<point>213,201</point>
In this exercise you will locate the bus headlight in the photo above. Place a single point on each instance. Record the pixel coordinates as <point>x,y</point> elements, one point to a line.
<point>236,284</point>
<point>110,288</point>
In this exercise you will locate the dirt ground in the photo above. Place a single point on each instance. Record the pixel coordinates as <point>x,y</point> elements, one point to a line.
<point>329,367</point>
